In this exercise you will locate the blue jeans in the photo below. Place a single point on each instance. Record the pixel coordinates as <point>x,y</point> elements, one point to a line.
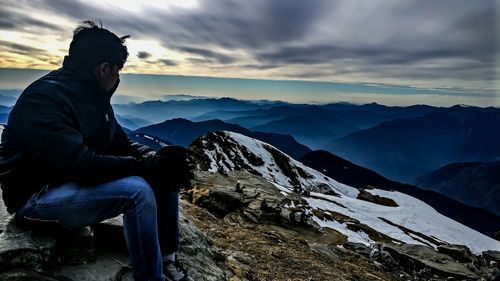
<point>150,218</point>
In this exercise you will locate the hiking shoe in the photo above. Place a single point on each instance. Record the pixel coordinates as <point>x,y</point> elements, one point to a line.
<point>174,271</point>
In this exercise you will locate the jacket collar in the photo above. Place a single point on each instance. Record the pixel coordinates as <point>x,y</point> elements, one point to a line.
<point>85,76</point>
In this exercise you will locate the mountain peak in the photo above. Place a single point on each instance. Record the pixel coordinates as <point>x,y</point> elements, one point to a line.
<point>226,151</point>
<point>372,215</point>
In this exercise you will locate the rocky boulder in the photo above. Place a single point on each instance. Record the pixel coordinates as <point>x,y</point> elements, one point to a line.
<point>451,262</point>
<point>257,199</point>
<point>23,249</point>
<point>459,252</point>
<point>492,256</point>
<point>89,255</point>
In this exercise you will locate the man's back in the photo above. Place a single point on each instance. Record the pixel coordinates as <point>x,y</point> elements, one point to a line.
<point>47,128</point>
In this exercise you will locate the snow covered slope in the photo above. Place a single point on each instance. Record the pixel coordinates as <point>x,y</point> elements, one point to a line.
<point>363,216</point>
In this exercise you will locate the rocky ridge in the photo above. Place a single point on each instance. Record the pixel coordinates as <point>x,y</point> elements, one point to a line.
<point>252,220</point>
<point>383,221</point>
<point>400,217</point>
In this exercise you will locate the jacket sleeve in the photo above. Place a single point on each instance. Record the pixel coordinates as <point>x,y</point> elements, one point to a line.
<point>123,145</point>
<point>45,127</point>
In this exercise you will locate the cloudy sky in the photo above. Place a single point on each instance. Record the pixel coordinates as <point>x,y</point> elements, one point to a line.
<point>439,44</point>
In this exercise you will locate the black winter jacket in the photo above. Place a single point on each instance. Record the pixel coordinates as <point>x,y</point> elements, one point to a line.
<point>62,129</point>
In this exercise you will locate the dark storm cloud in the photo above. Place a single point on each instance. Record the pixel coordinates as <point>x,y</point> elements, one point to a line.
<point>479,30</point>
<point>208,55</point>
<point>248,24</point>
<point>226,23</point>
<point>466,72</point>
<point>78,11</point>
<point>6,20</point>
<point>143,55</point>
<point>168,62</point>
<point>308,74</point>
<point>198,61</point>
<point>72,9</point>
<point>13,20</point>
<point>20,48</point>
<point>317,54</point>
<point>260,66</point>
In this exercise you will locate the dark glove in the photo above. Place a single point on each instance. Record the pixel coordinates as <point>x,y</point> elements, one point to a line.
<point>169,168</point>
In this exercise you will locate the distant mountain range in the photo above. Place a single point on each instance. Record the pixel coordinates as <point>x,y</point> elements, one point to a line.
<point>351,174</point>
<point>4,113</point>
<point>325,122</point>
<point>131,122</point>
<point>8,97</point>
<point>182,132</point>
<point>159,111</point>
<point>405,148</point>
<point>474,183</point>
<point>316,132</point>
<point>360,116</point>
<point>315,125</point>
<point>398,142</point>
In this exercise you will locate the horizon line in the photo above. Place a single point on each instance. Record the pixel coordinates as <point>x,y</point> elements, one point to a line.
<point>372,84</point>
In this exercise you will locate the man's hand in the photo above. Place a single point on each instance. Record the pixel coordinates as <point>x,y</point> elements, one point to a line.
<point>168,169</point>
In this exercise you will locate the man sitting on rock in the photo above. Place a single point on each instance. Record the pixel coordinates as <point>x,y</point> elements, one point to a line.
<point>64,159</point>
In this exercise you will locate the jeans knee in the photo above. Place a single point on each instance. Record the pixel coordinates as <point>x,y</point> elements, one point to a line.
<point>142,193</point>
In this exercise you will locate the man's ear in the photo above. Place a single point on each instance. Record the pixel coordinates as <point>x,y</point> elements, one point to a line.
<point>102,70</point>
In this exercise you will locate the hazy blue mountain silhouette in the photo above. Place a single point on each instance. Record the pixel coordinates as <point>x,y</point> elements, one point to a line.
<point>394,111</point>
<point>239,116</point>
<point>8,97</point>
<point>354,115</point>
<point>473,183</point>
<point>309,124</point>
<point>221,115</point>
<point>4,113</point>
<point>317,125</point>
<point>313,130</point>
<point>4,117</point>
<point>361,116</point>
<point>7,100</point>
<point>405,148</point>
<point>5,109</point>
<point>130,122</point>
<point>362,119</point>
<point>262,114</point>
<point>354,175</point>
<point>253,118</point>
<point>182,132</point>
<point>158,111</point>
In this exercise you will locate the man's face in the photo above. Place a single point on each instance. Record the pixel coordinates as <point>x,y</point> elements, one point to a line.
<point>107,76</point>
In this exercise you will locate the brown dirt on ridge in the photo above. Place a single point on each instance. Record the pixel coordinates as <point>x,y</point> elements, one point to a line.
<point>270,252</point>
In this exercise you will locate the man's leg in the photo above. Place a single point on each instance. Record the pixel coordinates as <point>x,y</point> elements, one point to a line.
<point>168,228</point>
<point>75,206</point>
<point>167,203</point>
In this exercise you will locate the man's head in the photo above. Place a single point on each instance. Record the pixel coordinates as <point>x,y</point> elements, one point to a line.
<point>99,51</point>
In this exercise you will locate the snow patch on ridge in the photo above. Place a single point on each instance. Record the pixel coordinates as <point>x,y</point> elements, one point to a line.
<point>276,175</point>
<point>412,221</point>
